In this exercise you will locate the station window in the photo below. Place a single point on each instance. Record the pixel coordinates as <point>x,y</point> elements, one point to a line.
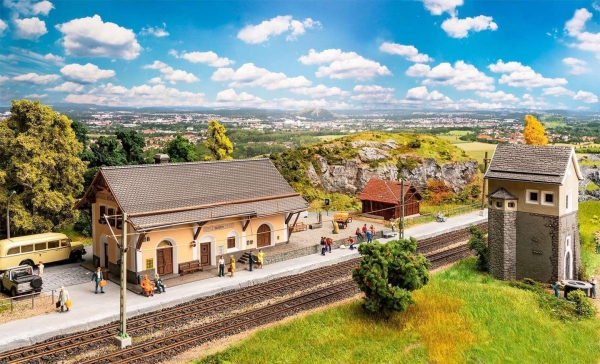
<point>533,196</point>
<point>102,213</point>
<point>13,251</point>
<point>231,242</point>
<point>567,202</point>
<point>149,263</point>
<point>112,221</point>
<point>548,198</point>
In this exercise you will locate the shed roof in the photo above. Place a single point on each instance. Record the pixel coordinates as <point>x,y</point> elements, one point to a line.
<point>503,194</point>
<point>386,191</point>
<point>159,194</point>
<point>531,163</point>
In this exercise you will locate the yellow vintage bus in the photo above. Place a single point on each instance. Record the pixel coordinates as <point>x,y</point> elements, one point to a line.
<point>30,249</point>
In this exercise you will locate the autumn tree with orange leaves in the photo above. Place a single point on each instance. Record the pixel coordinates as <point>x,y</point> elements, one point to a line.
<point>534,132</point>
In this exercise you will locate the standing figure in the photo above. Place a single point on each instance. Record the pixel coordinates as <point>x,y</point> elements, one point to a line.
<point>323,245</point>
<point>364,229</point>
<point>351,243</point>
<point>369,237</point>
<point>160,286</point>
<point>593,282</point>
<point>232,265</point>
<point>393,224</point>
<point>372,228</point>
<point>63,297</point>
<point>329,243</point>
<point>251,262</point>
<point>41,269</point>
<point>555,289</point>
<point>98,276</point>
<point>221,266</point>
<point>147,286</point>
<point>261,257</point>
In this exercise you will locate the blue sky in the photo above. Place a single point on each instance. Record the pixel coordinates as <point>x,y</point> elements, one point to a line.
<point>442,54</point>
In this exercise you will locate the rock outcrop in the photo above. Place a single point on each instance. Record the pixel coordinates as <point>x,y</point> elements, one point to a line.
<point>351,176</point>
<point>591,174</point>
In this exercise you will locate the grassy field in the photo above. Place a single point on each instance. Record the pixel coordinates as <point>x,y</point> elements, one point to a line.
<point>326,138</point>
<point>76,236</point>
<point>461,316</point>
<point>477,150</point>
<point>453,139</point>
<point>589,222</point>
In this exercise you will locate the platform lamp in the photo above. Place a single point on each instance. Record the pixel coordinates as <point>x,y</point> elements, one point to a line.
<point>8,214</point>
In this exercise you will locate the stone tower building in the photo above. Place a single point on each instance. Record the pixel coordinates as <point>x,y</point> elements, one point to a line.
<point>533,213</point>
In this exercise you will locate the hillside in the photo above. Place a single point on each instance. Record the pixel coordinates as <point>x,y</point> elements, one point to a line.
<point>316,114</point>
<point>344,166</point>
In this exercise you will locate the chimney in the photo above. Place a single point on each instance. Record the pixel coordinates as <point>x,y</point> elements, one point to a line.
<point>161,158</point>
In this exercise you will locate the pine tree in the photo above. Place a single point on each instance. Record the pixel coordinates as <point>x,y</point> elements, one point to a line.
<point>534,132</point>
<point>388,273</point>
<point>218,143</point>
<point>39,160</point>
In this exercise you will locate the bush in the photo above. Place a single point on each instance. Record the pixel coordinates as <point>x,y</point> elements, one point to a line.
<point>478,244</point>
<point>83,225</point>
<point>388,273</point>
<point>415,144</point>
<point>408,163</point>
<point>583,307</point>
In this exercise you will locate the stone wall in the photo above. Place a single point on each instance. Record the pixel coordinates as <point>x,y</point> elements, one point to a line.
<point>538,246</point>
<point>502,242</point>
<point>568,227</point>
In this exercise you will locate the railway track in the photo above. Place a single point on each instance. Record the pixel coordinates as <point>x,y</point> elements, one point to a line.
<point>441,241</point>
<point>52,349</point>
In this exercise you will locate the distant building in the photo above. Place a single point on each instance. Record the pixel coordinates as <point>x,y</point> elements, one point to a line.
<point>182,212</point>
<point>383,198</point>
<point>533,213</point>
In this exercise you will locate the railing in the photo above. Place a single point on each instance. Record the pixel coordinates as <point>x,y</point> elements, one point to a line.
<point>23,301</point>
<point>446,212</point>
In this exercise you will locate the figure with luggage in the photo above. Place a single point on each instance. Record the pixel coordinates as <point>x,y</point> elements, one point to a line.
<point>98,277</point>
<point>63,300</point>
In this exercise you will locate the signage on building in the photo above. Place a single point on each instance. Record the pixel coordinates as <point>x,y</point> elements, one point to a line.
<point>218,227</point>
<point>105,196</point>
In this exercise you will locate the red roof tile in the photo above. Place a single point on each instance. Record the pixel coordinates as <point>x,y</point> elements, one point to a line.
<point>386,191</point>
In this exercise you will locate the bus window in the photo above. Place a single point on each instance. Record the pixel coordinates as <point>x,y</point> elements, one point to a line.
<point>26,248</point>
<point>40,246</point>
<point>53,244</point>
<point>65,242</point>
<point>12,251</point>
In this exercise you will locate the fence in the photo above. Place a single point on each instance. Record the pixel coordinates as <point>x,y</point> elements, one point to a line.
<point>446,212</point>
<point>26,301</point>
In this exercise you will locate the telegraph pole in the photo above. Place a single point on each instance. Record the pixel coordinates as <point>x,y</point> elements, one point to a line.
<point>485,164</point>
<point>401,227</point>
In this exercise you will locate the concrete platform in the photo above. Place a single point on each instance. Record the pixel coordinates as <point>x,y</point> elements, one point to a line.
<point>91,310</point>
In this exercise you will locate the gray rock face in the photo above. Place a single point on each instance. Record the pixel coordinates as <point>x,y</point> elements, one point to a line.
<point>363,143</point>
<point>368,154</point>
<point>351,176</point>
<point>390,144</point>
<point>590,174</point>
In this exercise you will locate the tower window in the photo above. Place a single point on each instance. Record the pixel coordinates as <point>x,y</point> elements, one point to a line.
<point>548,198</point>
<point>511,205</point>
<point>499,204</point>
<point>533,196</point>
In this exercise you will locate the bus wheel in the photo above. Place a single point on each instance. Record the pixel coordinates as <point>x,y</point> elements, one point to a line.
<point>28,262</point>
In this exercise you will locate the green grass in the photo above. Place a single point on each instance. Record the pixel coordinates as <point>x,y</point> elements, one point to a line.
<point>326,138</point>
<point>591,186</point>
<point>461,316</point>
<point>76,236</point>
<point>453,139</point>
<point>459,132</point>
<point>476,150</point>
<point>589,223</point>
<point>587,162</point>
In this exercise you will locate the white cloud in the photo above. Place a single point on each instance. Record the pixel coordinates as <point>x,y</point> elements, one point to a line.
<point>373,94</point>
<point>210,58</point>
<point>344,65</point>
<point>476,105</point>
<point>461,76</point>
<point>144,95</point>
<point>320,91</point>
<point>460,28</point>
<point>29,28</point>
<point>28,7</point>
<point>596,5</point>
<point>557,91</point>
<point>67,87</point>
<point>517,75</point>
<point>585,96</point>
<point>249,75</point>
<point>585,41</point>
<point>54,59</point>
<point>3,79</point>
<point>156,81</point>
<point>155,31</point>
<point>582,108</point>
<point>171,74</point>
<point>91,37</point>
<point>87,73</point>
<point>577,66</point>
<point>421,94</point>
<point>498,96</point>
<point>409,52</point>
<point>532,103</point>
<point>3,26</point>
<point>260,33</point>
<point>438,7</point>
<point>244,99</point>
<point>36,79</point>
<point>35,96</point>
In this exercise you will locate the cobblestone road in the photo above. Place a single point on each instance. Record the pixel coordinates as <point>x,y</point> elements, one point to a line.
<point>66,277</point>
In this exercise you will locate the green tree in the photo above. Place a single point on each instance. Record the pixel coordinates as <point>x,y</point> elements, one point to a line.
<point>81,132</point>
<point>181,150</point>
<point>39,159</point>
<point>388,273</point>
<point>107,151</point>
<point>133,144</point>
<point>478,244</point>
<point>219,145</point>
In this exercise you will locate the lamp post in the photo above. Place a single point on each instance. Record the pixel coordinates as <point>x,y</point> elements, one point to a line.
<point>8,214</point>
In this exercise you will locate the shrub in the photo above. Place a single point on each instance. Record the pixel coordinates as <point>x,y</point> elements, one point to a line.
<point>388,273</point>
<point>415,144</point>
<point>408,163</point>
<point>582,274</point>
<point>83,225</point>
<point>437,192</point>
<point>478,244</point>
<point>583,306</point>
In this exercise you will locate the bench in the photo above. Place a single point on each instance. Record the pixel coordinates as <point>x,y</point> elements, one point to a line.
<point>388,233</point>
<point>300,227</point>
<point>315,226</point>
<point>192,266</point>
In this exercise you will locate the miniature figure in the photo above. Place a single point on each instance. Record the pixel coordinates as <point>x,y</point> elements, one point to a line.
<point>147,286</point>
<point>159,283</point>
<point>221,267</point>
<point>261,257</point>
<point>251,261</point>
<point>63,299</point>
<point>231,265</point>
<point>98,276</point>
<point>40,269</point>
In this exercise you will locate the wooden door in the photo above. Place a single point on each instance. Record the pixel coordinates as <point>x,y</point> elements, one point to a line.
<point>205,253</point>
<point>105,255</point>
<point>164,260</point>
<point>263,236</point>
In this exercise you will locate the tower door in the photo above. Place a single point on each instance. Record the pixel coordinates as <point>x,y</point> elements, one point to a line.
<point>568,270</point>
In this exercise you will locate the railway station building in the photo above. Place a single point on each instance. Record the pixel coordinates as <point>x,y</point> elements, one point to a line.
<point>184,212</point>
<point>533,213</point>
